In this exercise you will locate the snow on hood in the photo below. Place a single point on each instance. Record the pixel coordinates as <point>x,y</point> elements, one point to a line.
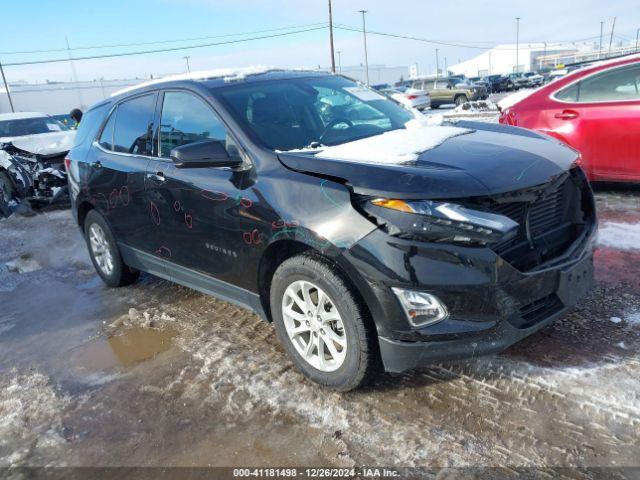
<point>397,146</point>
<point>43,143</point>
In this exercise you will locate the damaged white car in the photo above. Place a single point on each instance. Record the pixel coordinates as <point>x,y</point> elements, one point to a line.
<point>32,151</point>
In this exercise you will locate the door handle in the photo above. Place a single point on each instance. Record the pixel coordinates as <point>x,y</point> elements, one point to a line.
<point>157,177</point>
<point>96,164</point>
<point>566,115</point>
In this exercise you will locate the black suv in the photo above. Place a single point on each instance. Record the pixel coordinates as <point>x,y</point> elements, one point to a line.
<point>282,192</point>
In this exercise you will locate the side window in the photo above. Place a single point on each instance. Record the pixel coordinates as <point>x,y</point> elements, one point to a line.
<point>570,93</point>
<point>134,125</point>
<point>616,85</point>
<point>187,119</point>
<point>440,85</point>
<point>106,139</point>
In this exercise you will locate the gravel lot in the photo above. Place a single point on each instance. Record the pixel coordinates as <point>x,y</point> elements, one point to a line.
<point>158,375</point>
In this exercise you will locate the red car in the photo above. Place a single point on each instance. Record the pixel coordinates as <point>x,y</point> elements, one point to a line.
<point>595,110</point>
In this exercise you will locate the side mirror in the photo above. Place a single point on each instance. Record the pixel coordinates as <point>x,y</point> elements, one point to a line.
<point>205,153</point>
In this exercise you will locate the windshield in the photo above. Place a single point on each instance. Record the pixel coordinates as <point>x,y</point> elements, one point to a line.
<point>30,126</point>
<point>307,112</point>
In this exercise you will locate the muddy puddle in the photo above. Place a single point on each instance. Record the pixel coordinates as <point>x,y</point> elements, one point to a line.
<point>124,349</point>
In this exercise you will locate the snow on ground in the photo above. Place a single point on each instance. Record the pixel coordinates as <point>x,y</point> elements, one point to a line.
<point>475,107</point>
<point>29,417</point>
<point>623,236</point>
<point>24,264</point>
<point>515,97</point>
<point>395,147</point>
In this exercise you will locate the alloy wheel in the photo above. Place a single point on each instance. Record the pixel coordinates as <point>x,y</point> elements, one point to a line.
<point>101,249</point>
<point>314,326</point>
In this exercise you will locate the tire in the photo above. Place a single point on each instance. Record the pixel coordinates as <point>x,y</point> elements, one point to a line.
<point>460,99</point>
<point>349,366</point>
<point>7,193</point>
<point>104,252</point>
<point>434,106</point>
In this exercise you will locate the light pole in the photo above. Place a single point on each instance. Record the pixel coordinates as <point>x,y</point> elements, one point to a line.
<point>333,58</point>
<point>186,59</point>
<point>600,48</point>
<point>517,44</point>
<point>613,26</point>
<point>339,52</point>
<point>437,64</point>
<point>364,34</point>
<point>637,35</point>
<point>6,88</point>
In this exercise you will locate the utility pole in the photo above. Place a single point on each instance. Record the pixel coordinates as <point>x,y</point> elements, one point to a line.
<point>517,44</point>
<point>437,65</point>
<point>6,88</point>
<point>186,58</point>
<point>613,26</point>
<point>637,35</point>
<point>600,48</point>
<point>364,34</point>
<point>446,69</point>
<point>333,58</point>
<point>544,55</point>
<point>73,72</point>
<point>339,52</point>
<point>489,62</point>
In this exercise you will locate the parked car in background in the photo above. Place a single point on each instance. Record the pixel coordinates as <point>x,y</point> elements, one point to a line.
<point>380,86</point>
<point>555,74</point>
<point>410,98</point>
<point>534,79</point>
<point>481,82</point>
<point>32,150</point>
<point>383,242</point>
<point>596,110</point>
<point>497,83</point>
<point>444,91</point>
<point>517,81</point>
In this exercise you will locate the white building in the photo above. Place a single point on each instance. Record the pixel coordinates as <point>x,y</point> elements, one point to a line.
<point>534,56</point>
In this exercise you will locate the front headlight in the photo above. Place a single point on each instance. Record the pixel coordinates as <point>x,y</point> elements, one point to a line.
<point>444,221</point>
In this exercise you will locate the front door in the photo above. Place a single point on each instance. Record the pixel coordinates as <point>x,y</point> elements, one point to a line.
<point>203,214</point>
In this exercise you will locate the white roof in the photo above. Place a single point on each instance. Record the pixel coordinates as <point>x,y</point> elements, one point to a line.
<point>228,74</point>
<point>21,115</point>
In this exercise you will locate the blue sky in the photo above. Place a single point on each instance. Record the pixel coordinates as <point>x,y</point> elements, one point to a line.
<point>40,25</point>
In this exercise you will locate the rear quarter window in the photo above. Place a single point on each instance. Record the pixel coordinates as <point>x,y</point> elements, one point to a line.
<point>91,121</point>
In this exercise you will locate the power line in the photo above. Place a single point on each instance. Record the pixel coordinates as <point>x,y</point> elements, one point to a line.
<point>161,50</point>
<point>156,42</point>
<point>441,42</point>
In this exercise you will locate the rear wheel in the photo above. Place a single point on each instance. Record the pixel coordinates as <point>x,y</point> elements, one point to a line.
<point>434,106</point>
<point>104,252</point>
<point>460,99</point>
<point>321,324</point>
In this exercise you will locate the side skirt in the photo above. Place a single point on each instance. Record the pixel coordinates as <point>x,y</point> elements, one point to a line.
<point>192,279</point>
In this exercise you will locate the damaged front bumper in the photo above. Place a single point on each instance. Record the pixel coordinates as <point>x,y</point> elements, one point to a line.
<point>491,304</point>
<point>38,179</point>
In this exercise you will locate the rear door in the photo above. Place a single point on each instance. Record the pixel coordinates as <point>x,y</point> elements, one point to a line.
<point>610,123</point>
<point>441,92</point>
<point>117,172</point>
<point>204,221</point>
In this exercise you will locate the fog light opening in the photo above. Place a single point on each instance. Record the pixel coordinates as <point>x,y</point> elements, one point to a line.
<point>421,308</point>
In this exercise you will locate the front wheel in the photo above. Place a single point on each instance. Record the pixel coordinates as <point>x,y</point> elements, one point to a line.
<point>322,325</point>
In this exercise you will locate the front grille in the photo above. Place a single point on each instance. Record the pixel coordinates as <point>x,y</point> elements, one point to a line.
<point>551,218</point>
<point>536,312</point>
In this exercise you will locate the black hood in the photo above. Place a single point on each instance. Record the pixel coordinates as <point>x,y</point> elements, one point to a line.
<point>490,160</point>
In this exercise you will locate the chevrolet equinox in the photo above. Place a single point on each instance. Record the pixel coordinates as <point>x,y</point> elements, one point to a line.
<point>370,236</point>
